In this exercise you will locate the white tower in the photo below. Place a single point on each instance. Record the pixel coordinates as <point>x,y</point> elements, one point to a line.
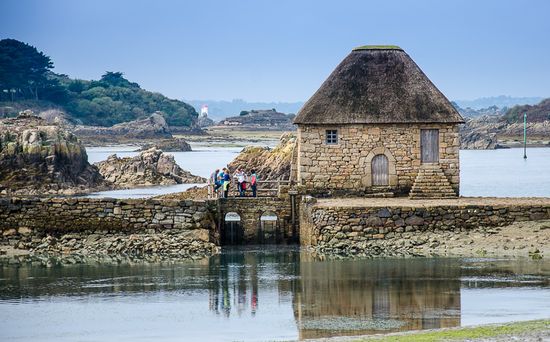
<point>204,111</point>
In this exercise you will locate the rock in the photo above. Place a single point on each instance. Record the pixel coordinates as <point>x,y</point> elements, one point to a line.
<point>269,164</point>
<point>168,145</point>
<point>153,127</point>
<point>38,158</point>
<point>151,167</point>
<point>261,119</point>
<point>24,230</point>
<point>373,221</point>
<point>414,221</point>
<point>384,213</point>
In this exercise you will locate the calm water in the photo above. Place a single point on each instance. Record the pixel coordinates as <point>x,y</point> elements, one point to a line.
<point>264,294</point>
<point>498,173</point>
<point>504,173</point>
<point>201,161</point>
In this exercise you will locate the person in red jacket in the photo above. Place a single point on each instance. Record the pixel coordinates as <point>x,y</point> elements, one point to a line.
<point>253,182</point>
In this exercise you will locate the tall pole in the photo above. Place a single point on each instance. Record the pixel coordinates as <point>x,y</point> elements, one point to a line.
<point>524,135</point>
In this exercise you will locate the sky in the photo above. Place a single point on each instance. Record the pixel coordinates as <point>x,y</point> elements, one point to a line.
<point>283,50</point>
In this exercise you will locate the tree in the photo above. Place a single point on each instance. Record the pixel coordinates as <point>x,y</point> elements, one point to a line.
<point>116,79</point>
<point>23,69</point>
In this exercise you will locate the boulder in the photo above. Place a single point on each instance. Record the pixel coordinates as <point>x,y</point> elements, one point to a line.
<point>150,167</point>
<point>168,145</point>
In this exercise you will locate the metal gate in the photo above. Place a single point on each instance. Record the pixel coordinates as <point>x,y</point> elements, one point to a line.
<point>380,170</point>
<point>429,145</point>
<point>233,233</point>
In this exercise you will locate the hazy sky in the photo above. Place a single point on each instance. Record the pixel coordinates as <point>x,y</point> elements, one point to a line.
<point>283,50</point>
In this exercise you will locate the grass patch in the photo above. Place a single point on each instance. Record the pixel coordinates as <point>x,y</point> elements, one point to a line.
<point>467,333</point>
<point>377,47</point>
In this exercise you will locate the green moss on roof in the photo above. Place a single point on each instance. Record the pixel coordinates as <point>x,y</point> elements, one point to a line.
<point>377,47</point>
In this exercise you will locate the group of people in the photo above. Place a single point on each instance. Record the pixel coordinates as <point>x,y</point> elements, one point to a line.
<point>220,181</point>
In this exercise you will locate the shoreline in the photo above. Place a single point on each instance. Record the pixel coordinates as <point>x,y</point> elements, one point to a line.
<point>524,239</point>
<point>532,330</point>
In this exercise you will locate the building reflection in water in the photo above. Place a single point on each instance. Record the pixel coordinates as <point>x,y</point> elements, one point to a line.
<point>340,297</point>
<point>373,296</point>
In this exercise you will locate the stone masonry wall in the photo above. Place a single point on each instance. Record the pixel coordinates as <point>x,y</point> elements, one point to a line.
<point>24,223</point>
<point>346,166</point>
<point>251,209</point>
<point>399,227</point>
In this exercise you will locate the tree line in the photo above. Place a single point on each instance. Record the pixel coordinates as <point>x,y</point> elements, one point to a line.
<point>26,75</point>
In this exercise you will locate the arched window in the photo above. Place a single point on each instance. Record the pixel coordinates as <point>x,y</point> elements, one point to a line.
<point>380,170</point>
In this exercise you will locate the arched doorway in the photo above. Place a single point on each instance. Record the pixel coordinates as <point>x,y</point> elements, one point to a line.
<point>269,232</point>
<point>380,170</point>
<point>233,233</point>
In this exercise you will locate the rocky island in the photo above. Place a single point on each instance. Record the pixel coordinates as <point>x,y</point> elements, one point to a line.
<point>43,157</point>
<point>260,119</point>
<point>38,158</point>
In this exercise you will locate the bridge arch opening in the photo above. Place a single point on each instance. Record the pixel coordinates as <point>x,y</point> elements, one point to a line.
<point>233,232</point>
<point>269,232</point>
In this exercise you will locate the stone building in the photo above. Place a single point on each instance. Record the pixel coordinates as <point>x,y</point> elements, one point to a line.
<point>378,125</point>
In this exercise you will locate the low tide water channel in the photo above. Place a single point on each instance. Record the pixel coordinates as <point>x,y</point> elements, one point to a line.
<point>264,294</point>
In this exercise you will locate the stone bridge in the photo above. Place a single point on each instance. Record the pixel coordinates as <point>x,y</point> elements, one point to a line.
<point>259,220</point>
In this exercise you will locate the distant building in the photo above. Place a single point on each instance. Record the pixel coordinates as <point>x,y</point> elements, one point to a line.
<point>203,120</point>
<point>204,111</point>
<point>378,125</point>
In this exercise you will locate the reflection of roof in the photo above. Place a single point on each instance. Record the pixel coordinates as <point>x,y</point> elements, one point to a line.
<point>377,84</point>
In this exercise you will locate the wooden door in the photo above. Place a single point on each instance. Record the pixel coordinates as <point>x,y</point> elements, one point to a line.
<point>429,145</point>
<point>380,170</point>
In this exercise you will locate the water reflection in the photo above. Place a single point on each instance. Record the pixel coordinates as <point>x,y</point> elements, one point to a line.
<point>269,294</point>
<point>386,295</point>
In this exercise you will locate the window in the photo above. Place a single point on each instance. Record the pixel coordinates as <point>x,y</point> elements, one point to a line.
<point>332,137</point>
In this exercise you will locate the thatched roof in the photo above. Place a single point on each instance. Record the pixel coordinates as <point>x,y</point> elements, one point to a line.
<point>377,84</point>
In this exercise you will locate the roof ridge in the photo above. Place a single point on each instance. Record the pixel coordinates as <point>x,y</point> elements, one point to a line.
<point>377,47</point>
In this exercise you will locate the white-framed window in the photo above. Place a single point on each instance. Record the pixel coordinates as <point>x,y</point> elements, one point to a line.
<point>331,137</point>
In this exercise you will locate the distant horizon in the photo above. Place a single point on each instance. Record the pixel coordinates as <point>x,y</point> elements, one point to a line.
<point>282,101</point>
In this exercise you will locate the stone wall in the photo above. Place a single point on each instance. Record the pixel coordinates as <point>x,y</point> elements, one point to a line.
<point>346,166</point>
<point>251,209</point>
<point>25,223</point>
<point>360,228</point>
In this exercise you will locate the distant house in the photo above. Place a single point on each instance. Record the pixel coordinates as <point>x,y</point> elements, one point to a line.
<point>378,125</point>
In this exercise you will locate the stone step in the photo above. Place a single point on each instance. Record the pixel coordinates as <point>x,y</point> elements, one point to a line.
<point>432,191</point>
<point>431,182</point>
<point>380,195</point>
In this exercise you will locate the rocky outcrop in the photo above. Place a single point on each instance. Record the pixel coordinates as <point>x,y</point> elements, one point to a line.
<point>261,119</point>
<point>269,164</point>
<point>480,133</point>
<point>151,167</point>
<point>168,145</point>
<point>153,127</point>
<point>38,158</point>
<point>204,121</point>
<point>490,132</point>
